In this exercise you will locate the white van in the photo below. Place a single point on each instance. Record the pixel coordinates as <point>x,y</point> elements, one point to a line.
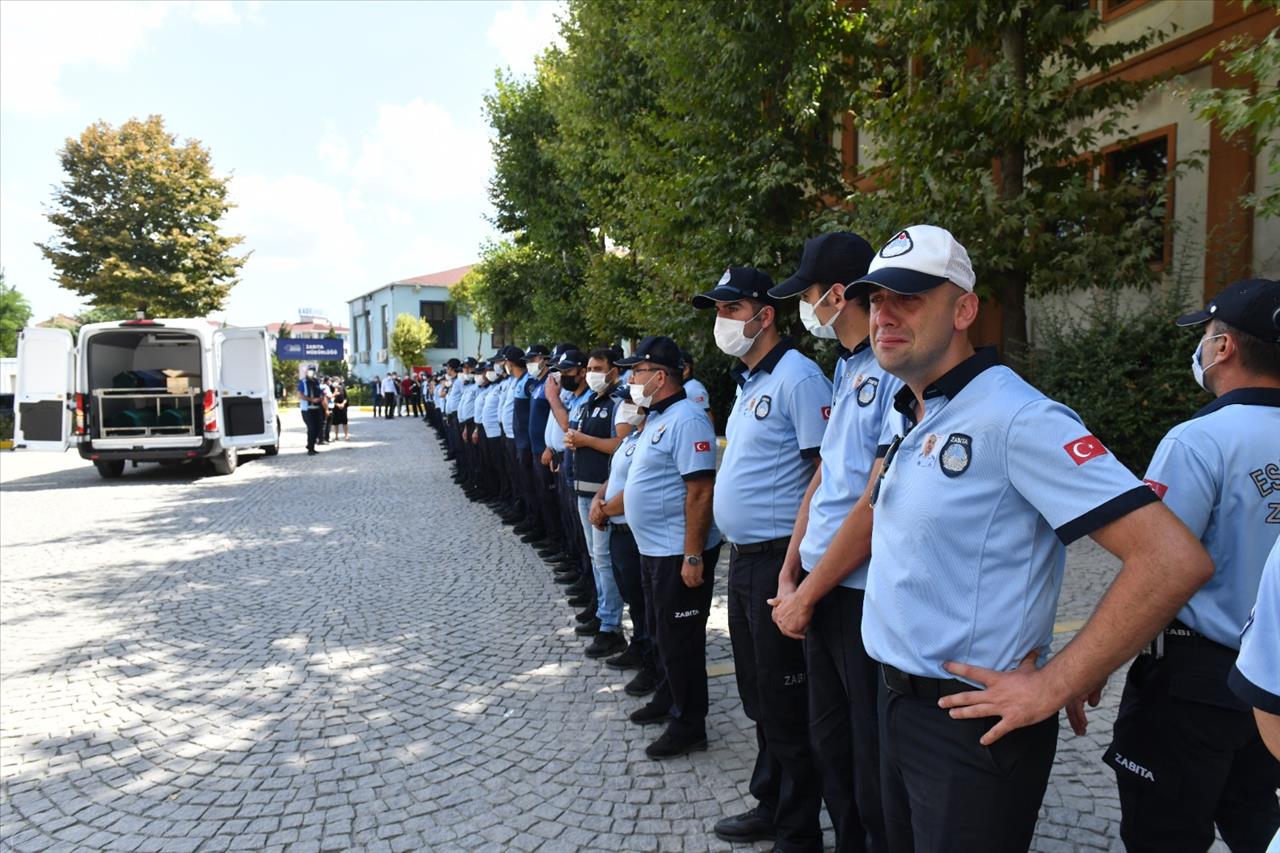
<point>146,391</point>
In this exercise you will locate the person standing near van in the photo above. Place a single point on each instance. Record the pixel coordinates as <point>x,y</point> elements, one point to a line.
<point>389,395</point>
<point>309,397</point>
<point>339,415</point>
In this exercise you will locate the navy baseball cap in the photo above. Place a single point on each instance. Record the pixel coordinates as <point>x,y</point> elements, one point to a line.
<point>536,350</point>
<point>840,257</point>
<point>737,283</point>
<point>470,362</point>
<point>1251,305</point>
<point>918,259</point>
<point>454,363</point>
<point>658,349</point>
<point>570,359</point>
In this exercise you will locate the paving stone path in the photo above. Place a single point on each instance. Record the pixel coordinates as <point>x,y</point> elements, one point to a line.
<point>340,652</point>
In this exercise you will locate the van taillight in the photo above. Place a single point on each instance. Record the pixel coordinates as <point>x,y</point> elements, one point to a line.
<point>210,411</point>
<point>80,430</point>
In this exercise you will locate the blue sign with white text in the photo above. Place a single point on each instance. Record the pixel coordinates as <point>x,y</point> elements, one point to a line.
<point>307,349</point>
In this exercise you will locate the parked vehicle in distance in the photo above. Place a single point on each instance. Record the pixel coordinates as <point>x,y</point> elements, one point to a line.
<point>147,391</point>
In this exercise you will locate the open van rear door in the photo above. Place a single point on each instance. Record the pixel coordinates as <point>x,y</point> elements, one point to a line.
<point>245,387</point>
<point>46,376</point>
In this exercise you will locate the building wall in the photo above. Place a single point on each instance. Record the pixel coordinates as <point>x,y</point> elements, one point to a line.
<point>369,358</point>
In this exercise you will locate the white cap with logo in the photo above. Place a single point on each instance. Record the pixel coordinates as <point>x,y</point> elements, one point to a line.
<point>920,258</point>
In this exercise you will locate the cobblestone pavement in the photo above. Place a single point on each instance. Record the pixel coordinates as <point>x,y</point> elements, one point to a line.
<point>340,652</point>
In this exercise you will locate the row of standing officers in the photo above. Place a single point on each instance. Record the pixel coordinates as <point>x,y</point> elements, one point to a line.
<point>896,541</point>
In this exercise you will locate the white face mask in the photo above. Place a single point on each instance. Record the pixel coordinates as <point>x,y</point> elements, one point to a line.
<point>631,414</point>
<point>809,317</point>
<point>638,396</point>
<point>1197,365</point>
<point>491,375</point>
<point>501,369</point>
<point>730,337</point>
<point>535,369</point>
<point>597,381</point>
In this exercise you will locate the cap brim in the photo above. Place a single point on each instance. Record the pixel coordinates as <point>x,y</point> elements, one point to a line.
<point>722,294</point>
<point>1195,318</point>
<point>793,286</point>
<point>901,280</point>
<point>629,361</point>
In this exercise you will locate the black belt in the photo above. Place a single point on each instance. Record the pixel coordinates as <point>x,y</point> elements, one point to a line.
<point>921,686</point>
<point>1179,633</point>
<point>764,547</point>
<point>622,525</point>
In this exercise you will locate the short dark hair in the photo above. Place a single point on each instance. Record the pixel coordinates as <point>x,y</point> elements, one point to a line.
<point>1256,355</point>
<point>606,354</point>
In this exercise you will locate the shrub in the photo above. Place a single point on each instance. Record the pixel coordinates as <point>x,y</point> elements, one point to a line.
<point>1123,366</point>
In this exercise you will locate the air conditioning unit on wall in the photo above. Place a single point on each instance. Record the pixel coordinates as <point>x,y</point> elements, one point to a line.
<point>382,356</point>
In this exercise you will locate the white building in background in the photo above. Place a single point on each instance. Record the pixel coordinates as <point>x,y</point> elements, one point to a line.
<point>313,324</point>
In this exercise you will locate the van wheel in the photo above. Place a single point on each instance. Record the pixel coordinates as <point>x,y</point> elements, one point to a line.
<point>109,469</point>
<point>273,449</point>
<point>226,463</point>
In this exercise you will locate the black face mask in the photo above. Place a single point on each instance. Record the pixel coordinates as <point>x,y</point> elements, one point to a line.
<point>569,383</point>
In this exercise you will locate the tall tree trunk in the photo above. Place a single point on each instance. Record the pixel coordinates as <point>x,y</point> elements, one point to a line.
<point>1013,286</point>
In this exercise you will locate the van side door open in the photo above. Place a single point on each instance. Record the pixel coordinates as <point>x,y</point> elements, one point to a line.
<point>245,387</point>
<point>46,376</point>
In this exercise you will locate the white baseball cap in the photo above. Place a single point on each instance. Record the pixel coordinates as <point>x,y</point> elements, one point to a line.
<point>920,258</point>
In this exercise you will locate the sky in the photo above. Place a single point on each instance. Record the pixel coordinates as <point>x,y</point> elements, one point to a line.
<point>353,133</point>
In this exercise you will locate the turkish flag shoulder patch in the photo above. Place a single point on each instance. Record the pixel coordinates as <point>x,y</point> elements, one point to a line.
<point>826,413</point>
<point>701,446</point>
<point>1157,487</point>
<point>1085,448</point>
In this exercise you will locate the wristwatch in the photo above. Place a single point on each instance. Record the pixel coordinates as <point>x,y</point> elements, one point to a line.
<point>693,559</point>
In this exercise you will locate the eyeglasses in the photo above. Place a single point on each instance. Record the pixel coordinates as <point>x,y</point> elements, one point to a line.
<point>636,370</point>
<point>883,480</point>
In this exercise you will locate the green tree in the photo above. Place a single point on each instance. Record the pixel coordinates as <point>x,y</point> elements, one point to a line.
<point>137,221</point>
<point>410,340</point>
<point>1250,113</point>
<point>284,373</point>
<point>15,312</point>
<point>997,82</point>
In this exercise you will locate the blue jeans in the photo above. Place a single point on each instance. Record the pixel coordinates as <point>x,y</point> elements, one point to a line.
<point>608,598</point>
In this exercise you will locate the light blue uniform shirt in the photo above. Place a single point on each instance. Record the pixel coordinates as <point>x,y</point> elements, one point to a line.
<point>1220,474</point>
<point>1256,675</point>
<point>772,438</point>
<point>619,465</point>
<point>697,393</point>
<point>553,435</point>
<point>973,514</point>
<point>490,414</point>
<point>467,403</point>
<point>454,397</point>
<point>507,408</point>
<point>679,444</point>
<point>862,397</point>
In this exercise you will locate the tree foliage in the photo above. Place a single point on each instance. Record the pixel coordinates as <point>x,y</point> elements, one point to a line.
<point>15,312</point>
<point>410,340</point>
<point>1250,112</point>
<point>137,221</point>
<point>284,373</point>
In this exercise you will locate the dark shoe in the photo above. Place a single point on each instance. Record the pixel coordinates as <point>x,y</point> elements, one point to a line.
<point>753,825</point>
<point>605,643</point>
<point>645,682</point>
<point>565,578</point>
<point>531,537</point>
<point>582,586</point>
<point>311,451</point>
<point>586,629</point>
<point>522,528</point>
<point>587,613</point>
<point>631,658</point>
<point>672,744</point>
<point>581,601</point>
<point>650,713</point>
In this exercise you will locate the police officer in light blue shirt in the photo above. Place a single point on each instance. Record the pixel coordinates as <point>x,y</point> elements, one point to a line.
<point>984,483</point>
<point>823,580</point>
<point>668,503</point>
<point>1255,678</point>
<point>773,433</point>
<point>1186,753</point>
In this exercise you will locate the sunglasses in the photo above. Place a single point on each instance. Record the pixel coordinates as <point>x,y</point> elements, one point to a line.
<point>883,480</point>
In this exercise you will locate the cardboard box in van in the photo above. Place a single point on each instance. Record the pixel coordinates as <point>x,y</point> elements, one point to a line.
<point>179,382</point>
